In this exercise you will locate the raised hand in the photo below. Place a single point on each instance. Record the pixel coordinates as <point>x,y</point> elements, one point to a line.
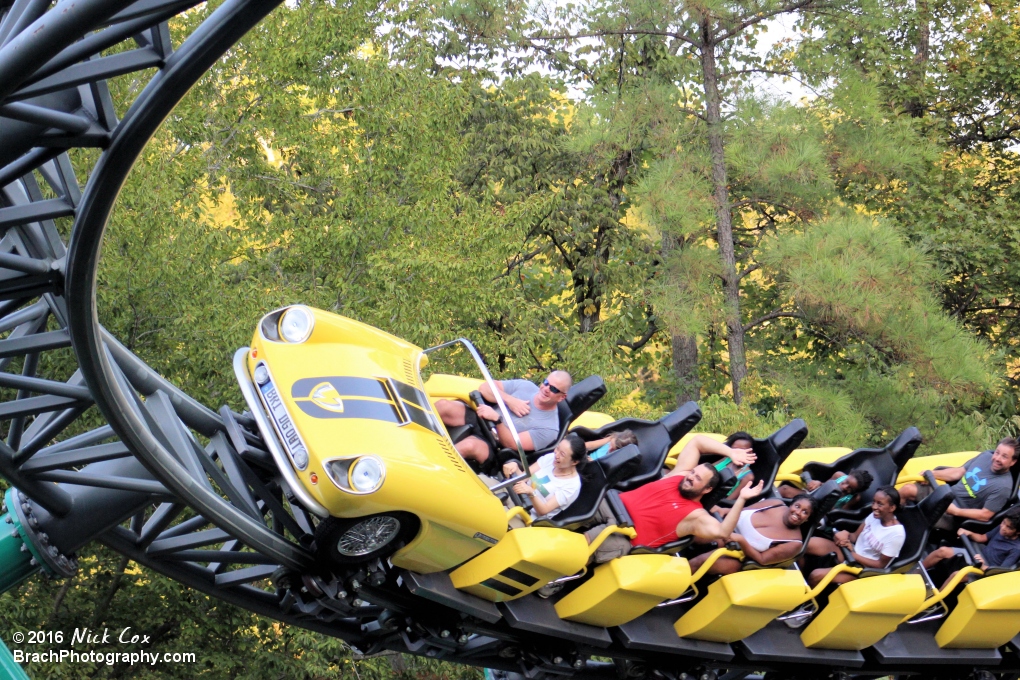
<point>742,456</point>
<point>752,491</point>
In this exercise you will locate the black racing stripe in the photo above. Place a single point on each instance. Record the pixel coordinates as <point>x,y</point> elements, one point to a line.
<point>412,404</point>
<point>419,417</point>
<point>504,588</point>
<point>408,392</point>
<point>527,580</point>
<point>347,386</point>
<point>354,408</point>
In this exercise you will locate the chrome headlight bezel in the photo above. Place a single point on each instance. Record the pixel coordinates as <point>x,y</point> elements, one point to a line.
<point>341,472</point>
<point>303,323</point>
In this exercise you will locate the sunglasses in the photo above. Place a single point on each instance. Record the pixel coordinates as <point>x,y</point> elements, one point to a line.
<point>552,388</point>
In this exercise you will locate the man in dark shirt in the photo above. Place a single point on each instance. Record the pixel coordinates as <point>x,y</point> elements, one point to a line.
<point>980,488</point>
<point>1002,545</point>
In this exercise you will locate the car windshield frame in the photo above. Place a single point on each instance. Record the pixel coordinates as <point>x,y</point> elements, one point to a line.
<point>499,403</point>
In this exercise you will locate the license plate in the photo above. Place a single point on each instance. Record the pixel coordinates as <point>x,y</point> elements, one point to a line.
<point>284,424</point>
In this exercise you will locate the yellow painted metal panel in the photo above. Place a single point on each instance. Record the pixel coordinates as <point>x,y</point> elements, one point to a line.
<point>678,447</point>
<point>798,458</point>
<point>446,386</point>
<point>986,616</point>
<point>740,604</point>
<point>593,420</point>
<point>862,612</point>
<point>524,561</point>
<point>626,588</point>
<point>915,466</point>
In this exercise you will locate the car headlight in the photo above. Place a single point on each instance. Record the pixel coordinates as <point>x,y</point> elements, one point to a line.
<point>296,324</point>
<point>367,474</point>
<point>261,374</point>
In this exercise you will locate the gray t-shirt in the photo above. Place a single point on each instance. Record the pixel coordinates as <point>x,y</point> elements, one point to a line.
<point>980,487</point>
<point>544,426</point>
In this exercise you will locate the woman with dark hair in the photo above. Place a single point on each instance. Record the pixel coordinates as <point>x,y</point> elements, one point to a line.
<point>878,540</point>
<point>740,440</point>
<point>555,477</point>
<point>767,532</point>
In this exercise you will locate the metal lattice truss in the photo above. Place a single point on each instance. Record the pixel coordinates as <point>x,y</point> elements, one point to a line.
<point>198,498</point>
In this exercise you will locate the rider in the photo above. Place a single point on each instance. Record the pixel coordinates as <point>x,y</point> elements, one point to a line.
<point>877,541</point>
<point>670,508</point>
<point>767,532</point>
<point>532,409</point>
<point>980,488</point>
<point>555,480</point>
<point>701,445</point>
<point>850,484</point>
<point>610,443</point>
<point>1001,545</point>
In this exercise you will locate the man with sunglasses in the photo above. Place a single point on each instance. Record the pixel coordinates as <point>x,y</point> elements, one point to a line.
<point>532,409</point>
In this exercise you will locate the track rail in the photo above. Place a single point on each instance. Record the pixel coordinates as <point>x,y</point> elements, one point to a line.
<point>185,490</point>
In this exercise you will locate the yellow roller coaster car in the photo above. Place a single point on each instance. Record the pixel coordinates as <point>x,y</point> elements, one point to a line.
<point>344,413</point>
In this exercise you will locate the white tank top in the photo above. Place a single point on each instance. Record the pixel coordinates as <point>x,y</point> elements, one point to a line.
<point>758,541</point>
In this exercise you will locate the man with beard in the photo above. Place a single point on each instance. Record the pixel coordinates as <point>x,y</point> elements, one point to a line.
<point>671,508</point>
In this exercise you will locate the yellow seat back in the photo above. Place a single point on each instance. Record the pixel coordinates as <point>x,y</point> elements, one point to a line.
<point>740,604</point>
<point>986,616</point>
<point>522,562</point>
<point>625,588</point>
<point>862,612</point>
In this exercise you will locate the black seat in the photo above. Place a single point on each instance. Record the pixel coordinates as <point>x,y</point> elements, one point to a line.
<point>917,521</point>
<point>583,395</point>
<point>884,464</point>
<point>771,452</point>
<point>654,438</point>
<point>599,475</point>
<point>825,497</point>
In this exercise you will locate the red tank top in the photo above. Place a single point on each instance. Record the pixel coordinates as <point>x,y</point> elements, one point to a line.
<point>657,508</point>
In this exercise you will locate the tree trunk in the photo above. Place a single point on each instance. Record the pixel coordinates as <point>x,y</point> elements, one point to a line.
<point>915,105</point>
<point>685,367</point>
<point>588,298</point>
<point>684,347</point>
<point>723,216</point>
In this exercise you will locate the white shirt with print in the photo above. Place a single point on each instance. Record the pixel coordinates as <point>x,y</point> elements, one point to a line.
<point>546,484</point>
<point>876,540</point>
